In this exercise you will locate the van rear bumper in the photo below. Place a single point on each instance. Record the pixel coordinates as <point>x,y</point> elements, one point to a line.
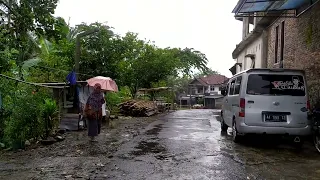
<point>245,129</point>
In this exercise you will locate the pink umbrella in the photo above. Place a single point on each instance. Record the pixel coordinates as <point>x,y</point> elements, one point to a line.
<point>106,83</point>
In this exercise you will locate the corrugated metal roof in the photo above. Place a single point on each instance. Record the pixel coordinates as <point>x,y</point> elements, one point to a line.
<point>251,6</point>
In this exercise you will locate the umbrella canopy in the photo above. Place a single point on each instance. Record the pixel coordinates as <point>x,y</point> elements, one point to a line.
<point>106,83</point>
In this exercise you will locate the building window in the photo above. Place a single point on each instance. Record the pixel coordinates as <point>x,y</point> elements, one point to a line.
<point>211,88</point>
<point>276,44</point>
<point>282,41</point>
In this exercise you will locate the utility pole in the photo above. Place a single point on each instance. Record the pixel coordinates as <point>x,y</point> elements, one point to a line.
<point>78,49</point>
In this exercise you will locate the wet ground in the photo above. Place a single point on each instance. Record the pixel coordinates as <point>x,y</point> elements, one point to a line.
<point>184,144</point>
<point>189,145</point>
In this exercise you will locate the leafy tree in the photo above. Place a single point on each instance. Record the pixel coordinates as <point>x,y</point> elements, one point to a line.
<point>23,21</point>
<point>191,59</point>
<point>143,63</point>
<point>100,52</point>
<point>208,71</point>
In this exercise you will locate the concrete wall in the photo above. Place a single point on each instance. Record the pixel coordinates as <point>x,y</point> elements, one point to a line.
<point>301,47</point>
<point>254,48</point>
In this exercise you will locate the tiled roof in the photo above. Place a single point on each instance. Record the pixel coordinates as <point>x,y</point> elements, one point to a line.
<point>213,79</point>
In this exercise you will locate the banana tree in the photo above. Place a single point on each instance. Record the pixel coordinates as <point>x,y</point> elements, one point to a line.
<point>50,115</point>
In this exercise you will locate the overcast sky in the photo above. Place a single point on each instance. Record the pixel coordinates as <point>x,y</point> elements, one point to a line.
<point>205,25</point>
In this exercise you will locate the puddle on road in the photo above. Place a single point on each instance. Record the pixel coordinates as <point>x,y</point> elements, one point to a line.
<point>148,147</point>
<point>214,160</point>
<point>155,130</point>
<point>164,157</point>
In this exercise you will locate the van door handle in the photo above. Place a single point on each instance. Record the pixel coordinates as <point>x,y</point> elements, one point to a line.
<point>236,105</point>
<point>251,102</point>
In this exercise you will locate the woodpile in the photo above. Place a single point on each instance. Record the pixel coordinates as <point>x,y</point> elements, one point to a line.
<point>138,108</point>
<point>162,107</point>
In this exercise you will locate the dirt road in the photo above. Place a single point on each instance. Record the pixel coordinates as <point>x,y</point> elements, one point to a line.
<point>184,144</point>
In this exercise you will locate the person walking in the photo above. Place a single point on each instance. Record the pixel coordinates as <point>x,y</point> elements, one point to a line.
<point>93,111</point>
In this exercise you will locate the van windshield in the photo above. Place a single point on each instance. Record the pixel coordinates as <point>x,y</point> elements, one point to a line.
<point>271,84</point>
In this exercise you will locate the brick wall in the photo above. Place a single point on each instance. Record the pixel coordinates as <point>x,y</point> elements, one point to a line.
<point>301,47</point>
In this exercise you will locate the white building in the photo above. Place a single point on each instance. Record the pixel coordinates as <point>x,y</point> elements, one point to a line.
<point>251,52</point>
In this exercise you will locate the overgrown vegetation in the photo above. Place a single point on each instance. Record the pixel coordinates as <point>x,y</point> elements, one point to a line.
<point>37,47</point>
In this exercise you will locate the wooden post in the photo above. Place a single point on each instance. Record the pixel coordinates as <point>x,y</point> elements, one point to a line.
<point>77,56</point>
<point>78,49</point>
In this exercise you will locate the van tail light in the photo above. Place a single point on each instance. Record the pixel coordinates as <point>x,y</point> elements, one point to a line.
<point>242,107</point>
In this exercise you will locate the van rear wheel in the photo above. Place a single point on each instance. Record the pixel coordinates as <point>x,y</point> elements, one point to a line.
<point>235,135</point>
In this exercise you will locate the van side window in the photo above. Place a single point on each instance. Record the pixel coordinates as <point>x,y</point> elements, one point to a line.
<point>237,86</point>
<point>231,89</point>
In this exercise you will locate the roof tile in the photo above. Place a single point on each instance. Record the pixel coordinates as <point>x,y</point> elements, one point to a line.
<point>214,79</point>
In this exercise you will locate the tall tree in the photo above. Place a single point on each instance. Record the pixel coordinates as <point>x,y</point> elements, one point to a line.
<point>144,64</point>
<point>100,51</point>
<point>190,60</point>
<point>208,71</point>
<point>25,19</point>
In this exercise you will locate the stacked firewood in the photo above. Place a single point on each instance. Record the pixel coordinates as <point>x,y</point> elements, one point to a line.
<point>138,108</point>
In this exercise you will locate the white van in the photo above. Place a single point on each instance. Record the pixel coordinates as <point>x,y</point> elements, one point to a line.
<point>267,101</point>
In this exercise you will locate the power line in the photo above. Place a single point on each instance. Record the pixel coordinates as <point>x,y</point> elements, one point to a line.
<point>31,83</point>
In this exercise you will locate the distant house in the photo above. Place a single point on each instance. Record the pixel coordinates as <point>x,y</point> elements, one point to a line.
<point>204,90</point>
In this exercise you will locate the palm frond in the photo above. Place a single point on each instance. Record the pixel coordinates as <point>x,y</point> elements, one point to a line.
<point>30,63</point>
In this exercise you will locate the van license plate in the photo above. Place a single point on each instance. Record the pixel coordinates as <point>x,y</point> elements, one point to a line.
<point>275,118</point>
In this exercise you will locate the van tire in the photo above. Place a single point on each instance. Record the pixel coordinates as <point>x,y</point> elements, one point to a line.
<point>224,127</point>
<point>235,135</point>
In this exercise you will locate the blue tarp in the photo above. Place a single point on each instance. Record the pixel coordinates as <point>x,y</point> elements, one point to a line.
<point>71,78</point>
<point>250,6</point>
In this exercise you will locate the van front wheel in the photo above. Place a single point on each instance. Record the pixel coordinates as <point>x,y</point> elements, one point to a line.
<point>235,135</point>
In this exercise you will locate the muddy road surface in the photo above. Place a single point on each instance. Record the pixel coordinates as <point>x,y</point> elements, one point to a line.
<point>189,145</point>
<point>185,144</point>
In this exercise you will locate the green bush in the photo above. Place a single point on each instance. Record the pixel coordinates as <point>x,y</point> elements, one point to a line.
<point>115,98</point>
<point>49,115</point>
<point>112,100</point>
<point>25,120</point>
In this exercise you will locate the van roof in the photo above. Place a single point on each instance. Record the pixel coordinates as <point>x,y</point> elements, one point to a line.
<point>270,70</point>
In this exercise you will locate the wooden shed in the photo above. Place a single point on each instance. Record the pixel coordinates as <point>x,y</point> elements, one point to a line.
<point>67,98</point>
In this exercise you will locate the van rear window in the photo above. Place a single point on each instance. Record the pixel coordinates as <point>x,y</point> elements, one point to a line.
<point>271,84</point>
